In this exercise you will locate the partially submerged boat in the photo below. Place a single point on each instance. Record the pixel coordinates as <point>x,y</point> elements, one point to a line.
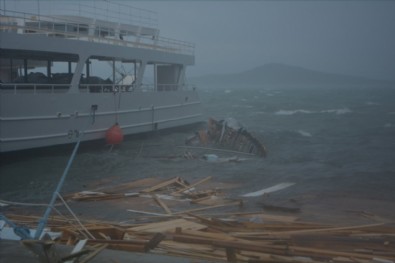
<point>228,134</point>
<point>63,75</point>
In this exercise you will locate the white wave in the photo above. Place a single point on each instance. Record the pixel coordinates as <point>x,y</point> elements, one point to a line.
<point>291,112</point>
<point>371,103</point>
<point>227,91</point>
<point>388,125</point>
<point>304,133</point>
<point>337,111</point>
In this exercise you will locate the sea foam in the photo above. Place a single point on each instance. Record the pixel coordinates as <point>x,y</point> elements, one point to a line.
<point>292,112</point>
<point>338,111</point>
<point>304,133</point>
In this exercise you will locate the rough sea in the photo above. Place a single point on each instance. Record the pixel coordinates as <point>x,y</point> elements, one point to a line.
<point>334,144</point>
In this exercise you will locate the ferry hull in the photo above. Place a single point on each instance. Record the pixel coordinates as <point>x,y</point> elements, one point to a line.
<point>66,75</point>
<point>30,121</point>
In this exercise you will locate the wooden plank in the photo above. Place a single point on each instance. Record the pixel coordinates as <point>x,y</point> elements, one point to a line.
<point>209,235</point>
<point>257,214</point>
<point>271,189</point>
<point>209,198</point>
<point>231,254</point>
<point>307,231</point>
<point>117,189</point>
<point>237,244</point>
<point>130,245</point>
<point>147,213</point>
<point>238,203</point>
<point>162,204</point>
<point>330,253</point>
<point>192,185</point>
<point>182,182</point>
<point>167,226</point>
<point>99,196</point>
<point>155,240</point>
<point>93,254</point>
<point>198,251</point>
<point>160,185</point>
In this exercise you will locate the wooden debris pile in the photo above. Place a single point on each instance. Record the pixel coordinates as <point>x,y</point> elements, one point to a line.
<point>240,237</point>
<point>178,229</point>
<point>170,195</point>
<point>287,242</point>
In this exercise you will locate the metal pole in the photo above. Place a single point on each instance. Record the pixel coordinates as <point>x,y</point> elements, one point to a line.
<point>44,219</point>
<point>113,72</point>
<point>25,70</point>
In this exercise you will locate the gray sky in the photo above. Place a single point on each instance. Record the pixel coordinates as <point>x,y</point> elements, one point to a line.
<point>350,37</point>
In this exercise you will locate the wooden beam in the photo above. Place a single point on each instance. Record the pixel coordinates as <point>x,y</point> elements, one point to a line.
<point>191,186</point>
<point>160,185</point>
<point>162,204</point>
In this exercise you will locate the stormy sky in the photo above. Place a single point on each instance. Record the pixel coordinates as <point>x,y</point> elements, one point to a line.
<point>348,37</point>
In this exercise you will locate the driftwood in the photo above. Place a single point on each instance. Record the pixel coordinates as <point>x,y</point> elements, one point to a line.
<point>197,229</point>
<point>276,239</point>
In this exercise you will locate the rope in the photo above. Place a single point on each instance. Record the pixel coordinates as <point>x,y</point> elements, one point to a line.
<point>70,222</point>
<point>117,107</point>
<point>75,217</point>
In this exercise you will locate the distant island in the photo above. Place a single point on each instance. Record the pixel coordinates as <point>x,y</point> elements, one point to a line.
<point>281,75</point>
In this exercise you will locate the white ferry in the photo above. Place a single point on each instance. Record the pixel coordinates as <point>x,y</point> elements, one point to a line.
<point>51,88</point>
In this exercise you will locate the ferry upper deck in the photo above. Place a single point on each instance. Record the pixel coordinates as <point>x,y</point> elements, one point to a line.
<point>35,40</point>
<point>123,28</point>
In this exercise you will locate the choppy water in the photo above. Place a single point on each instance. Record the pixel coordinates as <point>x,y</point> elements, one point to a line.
<point>323,140</point>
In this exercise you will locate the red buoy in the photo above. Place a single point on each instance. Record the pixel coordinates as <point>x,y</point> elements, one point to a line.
<point>114,135</point>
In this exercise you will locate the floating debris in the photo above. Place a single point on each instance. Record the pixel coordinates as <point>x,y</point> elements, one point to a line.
<point>271,189</point>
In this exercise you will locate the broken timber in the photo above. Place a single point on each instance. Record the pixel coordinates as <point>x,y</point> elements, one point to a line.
<point>222,235</point>
<point>277,239</point>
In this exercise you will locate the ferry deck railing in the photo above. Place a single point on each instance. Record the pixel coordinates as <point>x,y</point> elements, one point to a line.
<point>110,33</point>
<point>37,88</point>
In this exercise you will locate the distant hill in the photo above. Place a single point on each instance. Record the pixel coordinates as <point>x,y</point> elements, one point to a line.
<point>283,75</point>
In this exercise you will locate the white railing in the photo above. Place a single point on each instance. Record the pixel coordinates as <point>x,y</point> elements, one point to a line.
<point>37,88</point>
<point>75,28</point>
<point>118,12</point>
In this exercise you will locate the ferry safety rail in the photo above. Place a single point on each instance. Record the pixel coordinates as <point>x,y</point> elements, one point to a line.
<point>92,29</point>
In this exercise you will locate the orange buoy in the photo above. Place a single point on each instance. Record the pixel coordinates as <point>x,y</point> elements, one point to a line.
<point>114,135</point>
